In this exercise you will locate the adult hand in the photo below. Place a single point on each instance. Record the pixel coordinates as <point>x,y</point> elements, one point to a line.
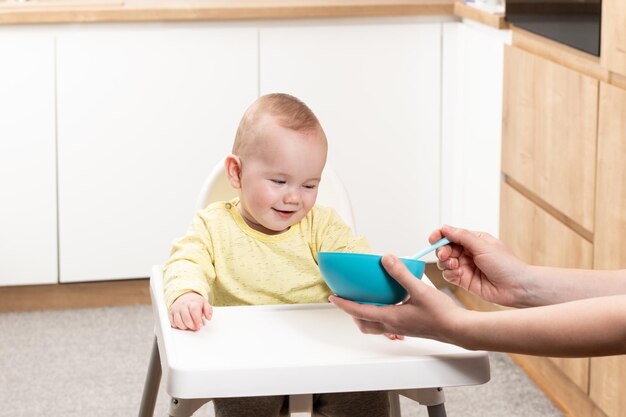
<point>187,311</point>
<point>427,312</point>
<point>481,264</point>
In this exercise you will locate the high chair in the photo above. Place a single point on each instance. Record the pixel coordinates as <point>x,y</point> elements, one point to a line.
<point>295,350</point>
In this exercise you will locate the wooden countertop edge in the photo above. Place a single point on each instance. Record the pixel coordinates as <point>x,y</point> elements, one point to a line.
<point>112,14</point>
<point>561,54</point>
<point>472,13</point>
<point>566,56</point>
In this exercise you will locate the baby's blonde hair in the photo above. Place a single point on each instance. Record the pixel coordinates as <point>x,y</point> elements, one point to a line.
<point>289,112</point>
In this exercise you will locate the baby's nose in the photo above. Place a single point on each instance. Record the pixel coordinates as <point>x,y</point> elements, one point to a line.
<point>292,197</point>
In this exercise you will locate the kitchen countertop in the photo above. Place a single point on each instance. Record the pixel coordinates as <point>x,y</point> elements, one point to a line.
<point>88,11</point>
<point>490,19</point>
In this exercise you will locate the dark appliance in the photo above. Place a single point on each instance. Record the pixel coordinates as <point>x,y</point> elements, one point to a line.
<point>572,22</point>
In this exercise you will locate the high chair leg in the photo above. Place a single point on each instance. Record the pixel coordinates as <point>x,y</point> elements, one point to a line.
<point>301,405</point>
<point>151,386</point>
<point>432,398</point>
<point>438,410</point>
<point>186,408</point>
<point>394,405</point>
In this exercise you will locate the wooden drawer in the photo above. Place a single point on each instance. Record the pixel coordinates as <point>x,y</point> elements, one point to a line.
<point>613,55</point>
<point>549,133</point>
<point>538,238</point>
<point>607,386</point>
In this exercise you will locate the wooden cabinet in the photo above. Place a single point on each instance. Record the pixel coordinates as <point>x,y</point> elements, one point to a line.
<point>531,233</point>
<point>28,221</point>
<point>609,244</point>
<point>608,375</point>
<point>614,36</point>
<point>549,163</point>
<point>564,192</point>
<point>376,88</point>
<point>549,146</point>
<point>144,113</point>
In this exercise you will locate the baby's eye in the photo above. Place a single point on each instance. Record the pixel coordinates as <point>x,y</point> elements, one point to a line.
<point>278,181</point>
<point>310,187</point>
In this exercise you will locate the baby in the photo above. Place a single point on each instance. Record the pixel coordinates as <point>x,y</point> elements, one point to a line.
<point>261,248</point>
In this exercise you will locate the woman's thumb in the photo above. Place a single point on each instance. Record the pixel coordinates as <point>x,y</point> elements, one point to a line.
<point>396,268</point>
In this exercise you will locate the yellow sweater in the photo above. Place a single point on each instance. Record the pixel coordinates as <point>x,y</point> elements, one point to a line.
<point>223,259</point>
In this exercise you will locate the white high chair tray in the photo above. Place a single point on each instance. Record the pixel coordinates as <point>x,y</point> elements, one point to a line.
<point>300,349</point>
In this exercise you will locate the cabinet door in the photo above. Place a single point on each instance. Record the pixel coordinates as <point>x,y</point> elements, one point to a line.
<point>609,247</point>
<point>28,219</point>
<point>549,134</point>
<point>472,125</point>
<point>144,113</point>
<point>376,90</point>
<point>613,55</point>
<point>538,238</point>
<point>608,375</point>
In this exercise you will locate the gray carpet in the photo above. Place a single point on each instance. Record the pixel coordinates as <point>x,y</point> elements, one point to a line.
<point>92,363</point>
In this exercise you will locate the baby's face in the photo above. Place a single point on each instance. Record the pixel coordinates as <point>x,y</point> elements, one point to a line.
<point>280,178</point>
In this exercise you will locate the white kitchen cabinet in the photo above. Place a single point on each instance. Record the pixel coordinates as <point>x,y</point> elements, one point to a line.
<point>144,113</point>
<point>375,86</point>
<point>28,216</point>
<point>472,125</point>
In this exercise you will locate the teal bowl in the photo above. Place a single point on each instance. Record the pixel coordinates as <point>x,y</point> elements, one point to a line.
<point>361,277</point>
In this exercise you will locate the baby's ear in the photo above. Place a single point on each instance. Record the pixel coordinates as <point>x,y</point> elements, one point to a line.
<point>232,165</point>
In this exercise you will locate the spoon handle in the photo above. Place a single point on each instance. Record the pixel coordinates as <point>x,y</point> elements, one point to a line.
<point>437,244</point>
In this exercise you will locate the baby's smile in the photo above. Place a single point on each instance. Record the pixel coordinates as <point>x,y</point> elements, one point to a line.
<point>283,213</point>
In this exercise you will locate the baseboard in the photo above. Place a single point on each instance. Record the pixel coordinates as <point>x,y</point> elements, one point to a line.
<point>75,295</point>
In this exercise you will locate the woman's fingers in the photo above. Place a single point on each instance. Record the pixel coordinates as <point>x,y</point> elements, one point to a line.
<point>363,312</point>
<point>370,327</point>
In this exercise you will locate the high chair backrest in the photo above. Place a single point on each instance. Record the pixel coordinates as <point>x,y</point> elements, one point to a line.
<point>332,192</point>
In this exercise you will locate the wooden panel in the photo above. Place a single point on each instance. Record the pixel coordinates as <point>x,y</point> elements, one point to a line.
<point>582,232</point>
<point>610,250</point>
<point>69,11</point>
<point>533,234</point>
<point>608,384</point>
<point>567,396</point>
<point>560,53</point>
<point>608,375</point>
<point>618,80</point>
<point>82,295</point>
<point>549,133</point>
<point>490,19</point>
<point>539,239</point>
<point>614,35</point>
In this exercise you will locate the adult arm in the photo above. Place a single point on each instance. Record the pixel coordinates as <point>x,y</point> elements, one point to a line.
<point>484,266</point>
<point>589,327</point>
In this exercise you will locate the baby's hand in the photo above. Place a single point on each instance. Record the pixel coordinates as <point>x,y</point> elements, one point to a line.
<point>393,336</point>
<point>187,311</point>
